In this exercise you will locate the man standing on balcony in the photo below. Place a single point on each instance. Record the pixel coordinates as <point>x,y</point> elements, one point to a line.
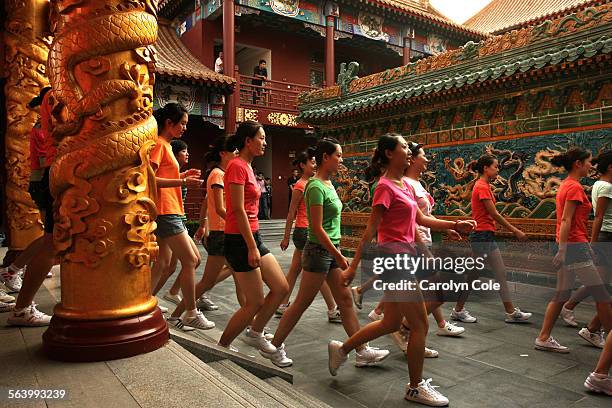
<point>219,63</point>
<point>260,73</point>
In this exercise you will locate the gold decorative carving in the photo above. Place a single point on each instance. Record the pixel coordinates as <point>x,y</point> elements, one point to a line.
<point>100,68</point>
<point>25,56</point>
<point>282,119</point>
<point>243,114</point>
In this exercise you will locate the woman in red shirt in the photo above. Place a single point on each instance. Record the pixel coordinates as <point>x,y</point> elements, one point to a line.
<point>305,164</point>
<point>483,244</point>
<point>574,256</point>
<point>244,250</point>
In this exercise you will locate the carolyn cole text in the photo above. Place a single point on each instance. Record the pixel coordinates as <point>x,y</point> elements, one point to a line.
<point>450,286</point>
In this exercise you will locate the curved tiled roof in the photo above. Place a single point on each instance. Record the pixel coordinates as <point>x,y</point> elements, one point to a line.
<point>174,60</point>
<point>499,15</point>
<point>581,35</point>
<point>415,8</point>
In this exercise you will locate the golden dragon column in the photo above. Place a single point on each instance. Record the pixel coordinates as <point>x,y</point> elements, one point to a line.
<point>26,51</point>
<point>101,71</point>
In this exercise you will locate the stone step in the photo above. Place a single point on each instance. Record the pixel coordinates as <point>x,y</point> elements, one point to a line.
<point>259,388</point>
<point>289,390</point>
<point>204,346</point>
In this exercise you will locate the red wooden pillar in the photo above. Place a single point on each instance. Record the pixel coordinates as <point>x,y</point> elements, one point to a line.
<point>229,62</point>
<point>407,47</point>
<point>330,75</point>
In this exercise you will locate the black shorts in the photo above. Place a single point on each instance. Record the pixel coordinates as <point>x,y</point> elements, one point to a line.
<point>578,255</point>
<point>214,243</point>
<point>315,258</point>
<point>41,195</point>
<point>603,249</point>
<point>300,236</point>
<point>237,254</point>
<point>482,242</point>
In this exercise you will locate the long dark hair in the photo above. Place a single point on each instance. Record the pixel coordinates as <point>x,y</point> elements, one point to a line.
<point>386,142</point>
<point>171,111</point>
<point>567,159</point>
<point>484,161</point>
<point>327,146</point>
<point>603,161</point>
<point>247,129</point>
<point>219,145</point>
<point>178,146</point>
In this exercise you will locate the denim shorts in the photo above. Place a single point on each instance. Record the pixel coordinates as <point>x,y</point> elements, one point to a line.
<point>41,195</point>
<point>482,242</point>
<point>603,249</point>
<point>316,258</point>
<point>214,243</point>
<point>169,225</point>
<point>578,255</point>
<point>237,253</point>
<point>300,236</point>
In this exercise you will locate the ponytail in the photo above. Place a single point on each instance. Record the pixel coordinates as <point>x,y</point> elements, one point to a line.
<point>171,111</point>
<point>484,161</point>
<point>386,142</point>
<point>567,159</point>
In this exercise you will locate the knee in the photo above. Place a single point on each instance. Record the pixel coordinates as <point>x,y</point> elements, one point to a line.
<point>390,325</point>
<point>191,261</point>
<point>420,326</point>
<point>253,304</point>
<point>281,290</point>
<point>562,296</point>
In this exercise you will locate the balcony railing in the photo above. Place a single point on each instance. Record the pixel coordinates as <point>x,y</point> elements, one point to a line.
<point>273,95</point>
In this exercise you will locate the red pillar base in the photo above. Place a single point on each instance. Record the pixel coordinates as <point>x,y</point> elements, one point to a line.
<point>99,340</point>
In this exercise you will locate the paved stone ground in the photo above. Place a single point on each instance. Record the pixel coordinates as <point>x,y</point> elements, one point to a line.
<point>493,364</point>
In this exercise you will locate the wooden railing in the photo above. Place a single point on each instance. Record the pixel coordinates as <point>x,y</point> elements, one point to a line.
<point>273,95</point>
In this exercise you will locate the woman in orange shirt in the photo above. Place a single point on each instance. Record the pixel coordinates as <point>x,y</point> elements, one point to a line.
<point>575,256</point>
<point>483,242</point>
<point>172,236</point>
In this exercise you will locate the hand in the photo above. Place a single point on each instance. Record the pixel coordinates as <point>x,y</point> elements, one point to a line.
<point>199,234</point>
<point>254,257</point>
<point>520,235</point>
<point>193,182</point>
<point>341,261</point>
<point>347,276</point>
<point>454,235</point>
<point>559,259</point>
<point>284,243</point>
<point>464,226</point>
<point>193,173</point>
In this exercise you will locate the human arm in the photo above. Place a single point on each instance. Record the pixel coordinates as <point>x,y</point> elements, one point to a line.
<point>564,230</point>
<point>217,192</point>
<point>464,226</point>
<point>602,206</point>
<point>202,229</point>
<point>492,211</point>
<point>296,198</point>
<point>236,192</point>
<point>373,222</point>
<point>316,225</point>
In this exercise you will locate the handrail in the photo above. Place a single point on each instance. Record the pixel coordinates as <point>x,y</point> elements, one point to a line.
<point>277,95</point>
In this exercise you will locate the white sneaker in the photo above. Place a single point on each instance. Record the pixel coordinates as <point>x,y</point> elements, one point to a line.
<point>4,296</point>
<point>426,394</point>
<point>333,316</point>
<point>450,330</point>
<point>178,323</point>
<point>49,275</point>
<point>198,322</point>
<point>596,339</point>
<point>517,316</point>
<point>431,353</point>
<point>12,280</point>
<point>550,345</point>
<point>29,316</point>
<point>357,297</point>
<point>231,348</point>
<point>568,317</point>
<point>176,299</point>
<point>282,308</point>
<point>278,357</point>
<point>373,316</point>
<point>400,338</point>
<point>206,304</point>
<point>370,356</point>
<point>599,383</point>
<point>463,316</point>
<point>258,341</point>
<point>163,309</point>
<point>6,307</point>
<point>336,356</point>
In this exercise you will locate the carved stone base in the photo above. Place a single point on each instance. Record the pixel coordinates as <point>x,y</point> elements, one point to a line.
<point>99,340</point>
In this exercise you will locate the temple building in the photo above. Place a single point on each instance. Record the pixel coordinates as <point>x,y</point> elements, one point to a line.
<point>303,43</point>
<point>523,96</point>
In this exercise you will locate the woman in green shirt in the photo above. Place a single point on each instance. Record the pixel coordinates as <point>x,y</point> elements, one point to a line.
<point>321,258</point>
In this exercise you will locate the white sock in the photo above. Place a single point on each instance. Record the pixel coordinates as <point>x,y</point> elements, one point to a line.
<point>13,268</point>
<point>253,333</point>
<point>191,313</point>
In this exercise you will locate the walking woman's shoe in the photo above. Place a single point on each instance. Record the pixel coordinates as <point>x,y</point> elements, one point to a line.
<point>426,394</point>
<point>550,345</point>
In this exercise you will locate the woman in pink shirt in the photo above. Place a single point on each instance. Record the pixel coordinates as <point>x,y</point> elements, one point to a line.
<point>305,164</point>
<point>244,250</point>
<point>395,215</point>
